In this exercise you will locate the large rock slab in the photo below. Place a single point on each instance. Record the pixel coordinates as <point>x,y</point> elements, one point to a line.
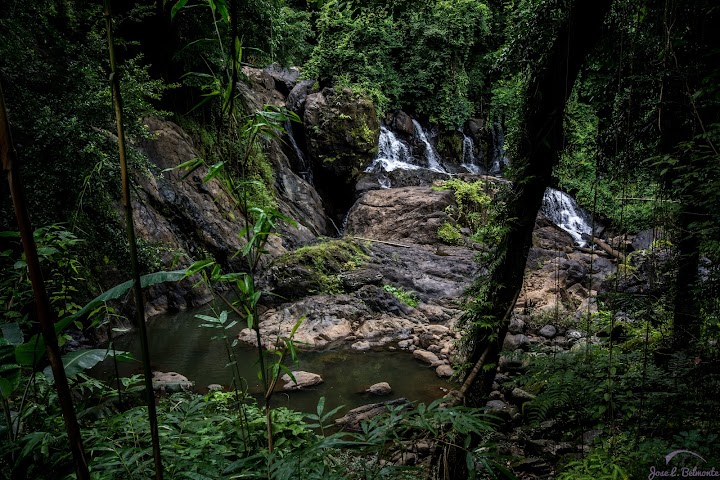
<point>407,214</point>
<point>327,318</point>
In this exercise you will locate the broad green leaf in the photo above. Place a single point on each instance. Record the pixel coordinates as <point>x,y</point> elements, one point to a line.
<point>76,362</point>
<point>34,349</point>
<point>321,406</point>
<point>9,371</point>
<point>12,333</point>
<point>47,251</point>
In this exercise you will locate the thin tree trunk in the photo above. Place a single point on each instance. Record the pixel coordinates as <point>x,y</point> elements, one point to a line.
<point>538,152</point>
<point>137,287</point>
<point>45,315</point>
<point>686,311</point>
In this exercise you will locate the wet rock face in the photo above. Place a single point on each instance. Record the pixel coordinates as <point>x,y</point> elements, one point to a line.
<point>342,132</point>
<point>401,122</point>
<point>189,218</point>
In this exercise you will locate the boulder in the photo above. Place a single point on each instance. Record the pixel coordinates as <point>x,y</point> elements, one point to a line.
<point>298,95</point>
<point>382,388</point>
<point>302,380</point>
<point>514,342</point>
<point>520,396</point>
<point>342,132</point>
<point>379,300</point>
<point>388,326</point>
<point>356,279</point>
<point>402,123</point>
<point>260,89</point>
<point>376,179</point>
<point>517,325</point>
<point>500,409</point>
<point>407,215</point>
<point>425,356</point>
<point>548,331</point>
<point>361,346</point>
<point>171,382</point>
<point>444,371</point>
<point>284,79</point>
<point>575,272</point>
<point>327,318</point>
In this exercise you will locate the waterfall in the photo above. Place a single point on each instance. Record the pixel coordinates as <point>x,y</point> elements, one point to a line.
<point>430,155</point>
<point>563,211</point>
<point>468,157</point>
<point>392,154</point>
<point>498,158</point>
<point>305,169</point>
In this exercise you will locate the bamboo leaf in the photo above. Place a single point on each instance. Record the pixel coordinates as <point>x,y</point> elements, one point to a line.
<point>177,7</point>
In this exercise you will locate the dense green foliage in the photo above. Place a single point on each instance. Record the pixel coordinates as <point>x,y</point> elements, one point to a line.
<point>426,57</point>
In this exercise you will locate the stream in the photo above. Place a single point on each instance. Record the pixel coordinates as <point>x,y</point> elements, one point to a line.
<point>177,343</point>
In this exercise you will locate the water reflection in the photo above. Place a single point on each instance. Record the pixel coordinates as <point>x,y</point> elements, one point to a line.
<point>177,343</point>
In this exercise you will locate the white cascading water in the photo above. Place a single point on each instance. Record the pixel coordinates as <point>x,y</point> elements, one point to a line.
<point>306,172</point>
<point>499,157</point>
<point>430,155</point>
<point>392,154</point>
<point>561,209</point>
<point>469,162</point>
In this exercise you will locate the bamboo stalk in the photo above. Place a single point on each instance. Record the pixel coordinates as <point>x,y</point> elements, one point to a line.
<point>45,315</point>
<point>137,287</point>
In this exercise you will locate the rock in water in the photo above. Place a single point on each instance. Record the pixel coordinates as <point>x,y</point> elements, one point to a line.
<point>425,356</point>
<point>444,371</point>
<point>382,388</point>
<point>302,380</point>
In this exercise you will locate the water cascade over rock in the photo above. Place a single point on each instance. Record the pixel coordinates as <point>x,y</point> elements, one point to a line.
<point>302,166</point>
<point>499,157</point>
<point>403,159</point>
<point>563,211</point>
<point>392,154</point>
<point>433,161</point>
<point>469,161</point>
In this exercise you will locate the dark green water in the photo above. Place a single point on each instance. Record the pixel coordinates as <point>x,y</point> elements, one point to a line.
<point>177,343</point>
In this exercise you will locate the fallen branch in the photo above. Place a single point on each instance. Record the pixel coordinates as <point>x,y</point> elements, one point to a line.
<point>380,241</point>
<point>607,248</point>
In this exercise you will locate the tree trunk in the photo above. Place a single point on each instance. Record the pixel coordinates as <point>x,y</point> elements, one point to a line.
<point>45,315</point>
<point>538,152</point>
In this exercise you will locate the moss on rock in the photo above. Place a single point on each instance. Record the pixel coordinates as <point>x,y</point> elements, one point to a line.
<point>316,269</point>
